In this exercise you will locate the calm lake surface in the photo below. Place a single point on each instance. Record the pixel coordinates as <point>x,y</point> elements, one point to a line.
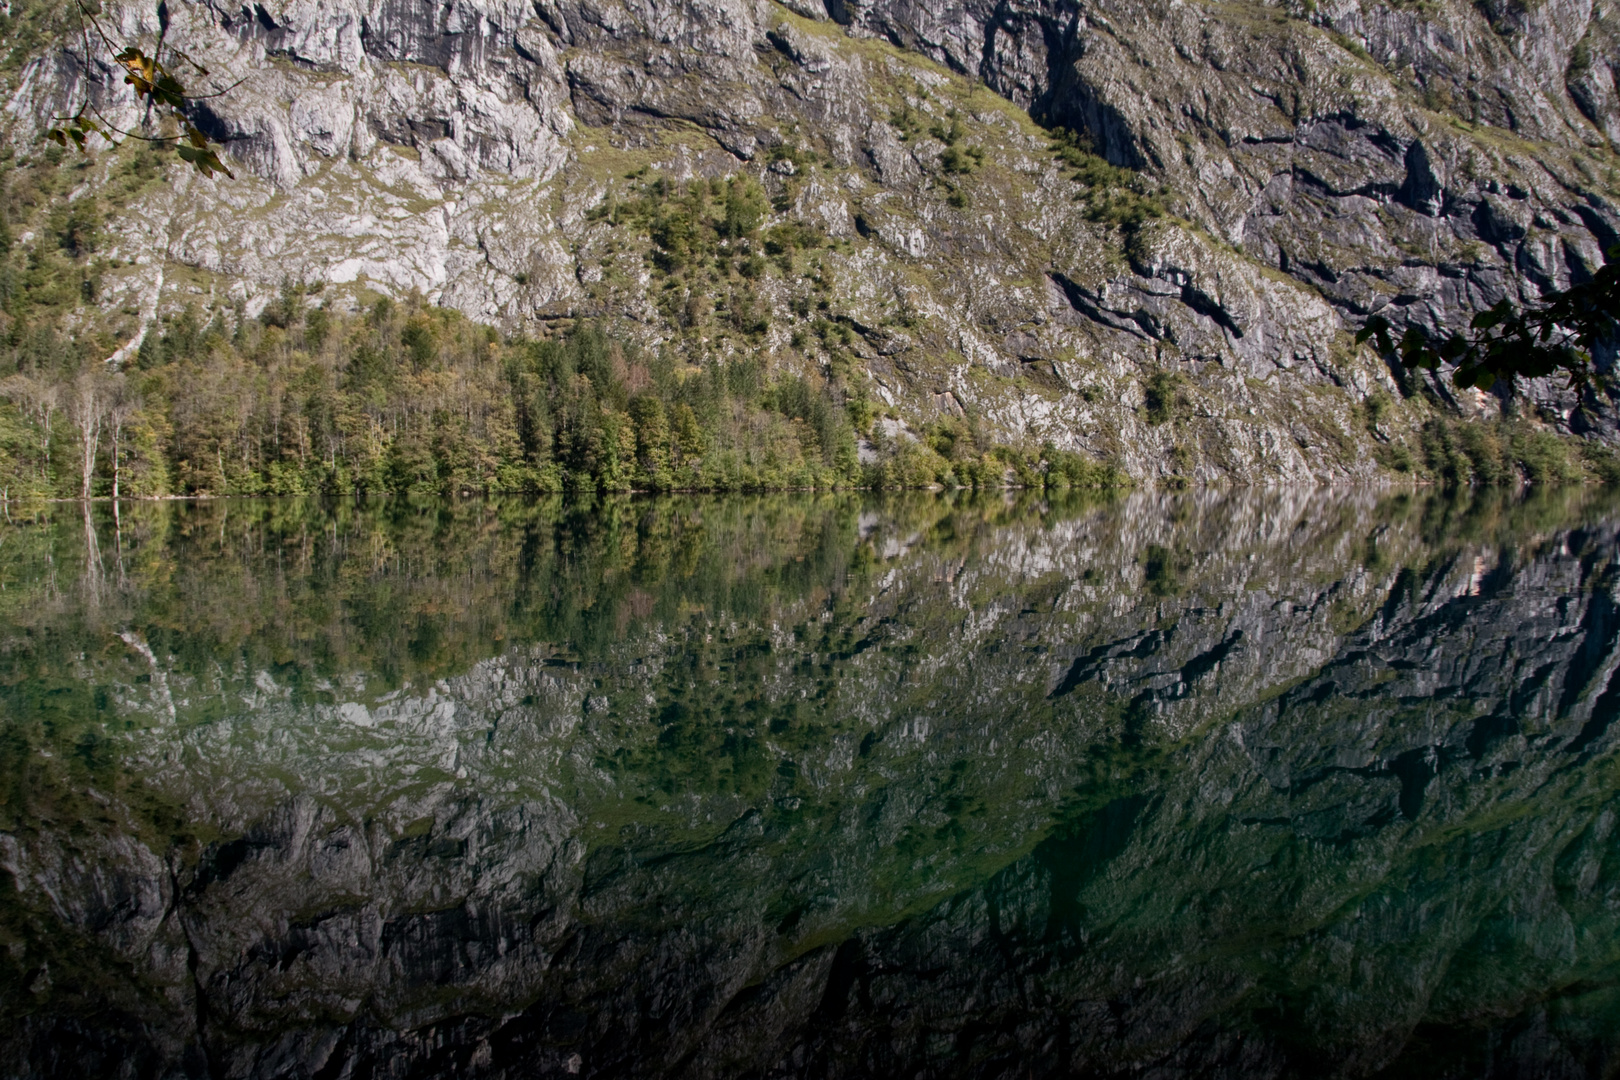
<point>1219,784</point>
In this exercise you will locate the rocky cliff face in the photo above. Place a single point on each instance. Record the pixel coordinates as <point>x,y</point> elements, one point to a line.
<point>1310,165</point>
<point>1306,787</point>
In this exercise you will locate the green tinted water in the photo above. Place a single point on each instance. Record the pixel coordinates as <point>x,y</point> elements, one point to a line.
<point>1246,784</point>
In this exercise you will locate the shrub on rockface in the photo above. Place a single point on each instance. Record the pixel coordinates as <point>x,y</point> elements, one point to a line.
<point>1164,398</point>
<point>1069,470</point>
<point>1471,452</point>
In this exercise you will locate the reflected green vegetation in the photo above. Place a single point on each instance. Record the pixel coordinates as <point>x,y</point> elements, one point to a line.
<point>413,590</point>
<point>1334,775</point>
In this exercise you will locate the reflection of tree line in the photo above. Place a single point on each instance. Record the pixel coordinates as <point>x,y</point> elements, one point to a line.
<point>408,589</point>
<point>417,589</point>
<point>399,591</point>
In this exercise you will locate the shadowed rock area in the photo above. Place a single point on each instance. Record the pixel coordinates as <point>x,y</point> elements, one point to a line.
<point>1268,784</point>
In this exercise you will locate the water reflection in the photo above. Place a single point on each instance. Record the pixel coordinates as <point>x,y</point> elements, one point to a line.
<point>1274,783</point>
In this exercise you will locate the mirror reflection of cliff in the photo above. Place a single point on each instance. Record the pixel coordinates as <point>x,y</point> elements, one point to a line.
<point>1276,783</point>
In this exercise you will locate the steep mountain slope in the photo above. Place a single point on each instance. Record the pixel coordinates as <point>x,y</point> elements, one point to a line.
<point>1249,181</point>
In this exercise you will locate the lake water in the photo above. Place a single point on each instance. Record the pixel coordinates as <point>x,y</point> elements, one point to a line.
<point>1216,784</point>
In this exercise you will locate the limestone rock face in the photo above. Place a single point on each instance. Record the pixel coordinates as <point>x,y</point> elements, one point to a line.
<point>1318,164</point>
<point>1336,156</point>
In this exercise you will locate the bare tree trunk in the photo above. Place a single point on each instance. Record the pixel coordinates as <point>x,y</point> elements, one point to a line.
<point>116,417</point>
<point>87,408</point>
<point>122,403</point>
<point>89,437</point>
<point>45,448</point>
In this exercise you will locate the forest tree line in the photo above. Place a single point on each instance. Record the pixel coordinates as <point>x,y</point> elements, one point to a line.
<point>407,397</point>
<point>401,396</point>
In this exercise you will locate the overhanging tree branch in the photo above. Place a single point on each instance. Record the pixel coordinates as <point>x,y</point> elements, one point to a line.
<point>156,85</point>
<point>1558,334</point>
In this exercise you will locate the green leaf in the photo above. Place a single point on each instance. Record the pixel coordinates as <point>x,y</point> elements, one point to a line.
<point>1492,316</point>
<point>203,160</point>
<point>1373,327</point>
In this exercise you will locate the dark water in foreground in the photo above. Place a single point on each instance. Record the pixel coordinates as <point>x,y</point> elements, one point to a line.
<point>1255,784</point>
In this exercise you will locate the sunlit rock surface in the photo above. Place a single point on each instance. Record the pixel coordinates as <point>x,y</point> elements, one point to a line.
<point>1319,163</point>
